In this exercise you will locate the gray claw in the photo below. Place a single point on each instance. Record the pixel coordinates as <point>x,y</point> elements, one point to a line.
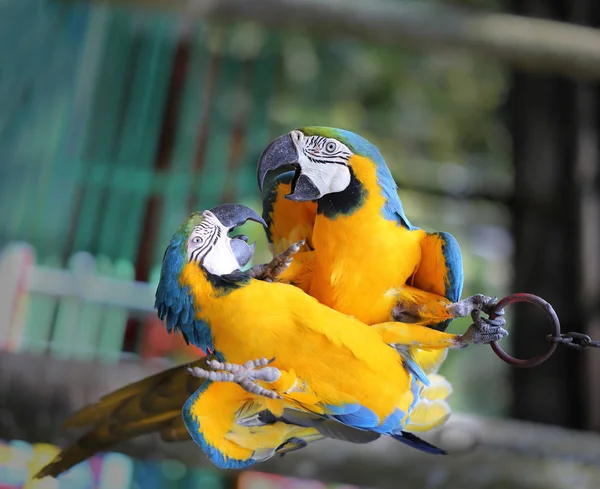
<point>479,302</point>
<point>244,375</point>
<point>279,264</point>
<point>211,375</point>
<point>476,336</point>
<point>483,330</point>
<point>499,321</point>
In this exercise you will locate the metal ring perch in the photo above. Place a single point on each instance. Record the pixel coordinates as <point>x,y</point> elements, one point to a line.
<point>555,324</point>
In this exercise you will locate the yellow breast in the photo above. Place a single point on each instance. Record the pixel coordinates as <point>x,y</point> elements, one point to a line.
<point>340,360</point>
<point>362,257</point>
<point>293,221</point>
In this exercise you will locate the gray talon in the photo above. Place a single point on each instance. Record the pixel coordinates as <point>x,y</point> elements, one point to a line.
<point>245,375</point>
<point>483,330</point>
<point>476,302</point>
<point>481,322</point>
<point>279,264</point>
<point>499,321</point>
<point>476,336</point>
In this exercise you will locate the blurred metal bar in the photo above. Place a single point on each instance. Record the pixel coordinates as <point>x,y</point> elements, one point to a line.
<point>134,296</point>
<point>484,453</point>
<point>554,124</point>
<point>533,45</point>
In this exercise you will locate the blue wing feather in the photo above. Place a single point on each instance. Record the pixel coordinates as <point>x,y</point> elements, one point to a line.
<point>392,422</point>
<point>392,209</point>
<point>455,275</point>
<point>361,418</point>
<point>344,409</point>
<point>411,365</point>
<point>450,275</point>
<point>175,304</point>
<point>195,429</point>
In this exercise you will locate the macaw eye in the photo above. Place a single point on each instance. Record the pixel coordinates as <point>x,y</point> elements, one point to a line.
<point>197,240</point>
<point>330,147</point>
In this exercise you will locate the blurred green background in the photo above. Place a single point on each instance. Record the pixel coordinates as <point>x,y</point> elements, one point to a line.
<point>117,122</point>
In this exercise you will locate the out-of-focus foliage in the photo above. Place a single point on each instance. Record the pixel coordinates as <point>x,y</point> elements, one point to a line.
<point>433,116</point>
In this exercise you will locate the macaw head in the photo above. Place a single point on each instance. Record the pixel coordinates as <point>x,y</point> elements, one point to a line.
<point>321,158</point>
<point>204,239</point>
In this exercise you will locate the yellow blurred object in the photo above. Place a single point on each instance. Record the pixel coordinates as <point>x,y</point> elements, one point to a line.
<point>42,454</point>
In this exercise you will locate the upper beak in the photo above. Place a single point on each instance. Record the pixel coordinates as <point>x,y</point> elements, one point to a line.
<point>234,215</point>
<point>281,152</point>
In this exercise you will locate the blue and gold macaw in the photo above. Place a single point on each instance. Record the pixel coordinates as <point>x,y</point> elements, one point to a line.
<point>328,371</point>
<point>362,256</point>
<point>240,426</point>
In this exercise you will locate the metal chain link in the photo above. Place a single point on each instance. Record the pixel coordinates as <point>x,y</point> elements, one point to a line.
<point>575,341</point>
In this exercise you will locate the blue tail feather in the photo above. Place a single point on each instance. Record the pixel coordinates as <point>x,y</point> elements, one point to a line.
<point>415,442</point>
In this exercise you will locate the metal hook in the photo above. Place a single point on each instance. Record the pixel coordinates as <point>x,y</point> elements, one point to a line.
<point>554,321</point>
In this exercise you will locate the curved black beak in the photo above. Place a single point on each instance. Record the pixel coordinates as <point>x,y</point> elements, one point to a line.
<point>280,152</point>
<point>303,189</point>
<point>234,215</point>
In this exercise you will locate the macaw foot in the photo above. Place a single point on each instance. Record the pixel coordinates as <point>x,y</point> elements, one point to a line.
<point>246,375</point>
<point>476,302</point>
<point>483,330</point>
<point>270,271</point>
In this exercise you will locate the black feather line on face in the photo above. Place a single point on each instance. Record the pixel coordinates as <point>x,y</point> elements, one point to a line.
<point>314,148</point>
<point>345,202</point>
<point>224,284</point>
<point>210,236</point>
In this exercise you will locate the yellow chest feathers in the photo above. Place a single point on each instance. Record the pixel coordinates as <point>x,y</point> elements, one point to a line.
<point>362,255</point>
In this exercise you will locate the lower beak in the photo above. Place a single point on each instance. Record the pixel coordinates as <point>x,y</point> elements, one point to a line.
<point>232,216</point>
<point>303,189</point>
<point>242,251</point>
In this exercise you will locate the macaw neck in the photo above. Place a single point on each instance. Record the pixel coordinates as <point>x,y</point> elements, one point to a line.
<point>362,191</point>
<point>354,215</point>
<point>364,253</point>
<point>202,285</point>
<point>345,202</point>
<point>224,284</point>
<point>179,299</point>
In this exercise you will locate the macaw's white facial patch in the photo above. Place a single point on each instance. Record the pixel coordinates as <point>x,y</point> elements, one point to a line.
<point>324,161</point>
<point>210,246</point>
